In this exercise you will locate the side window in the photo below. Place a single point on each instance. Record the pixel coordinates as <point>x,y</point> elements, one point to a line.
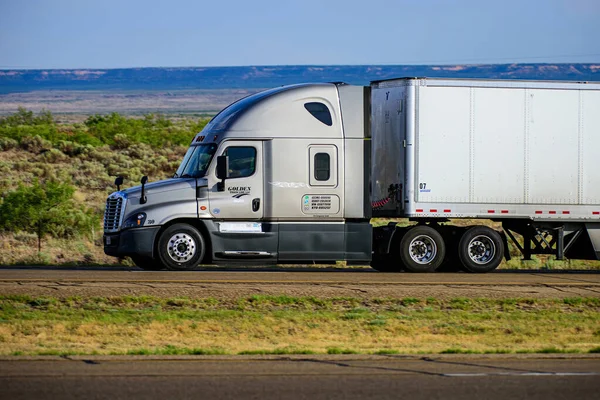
<point>242,161</point>
<point>322,167</point>
<point>320,112</point>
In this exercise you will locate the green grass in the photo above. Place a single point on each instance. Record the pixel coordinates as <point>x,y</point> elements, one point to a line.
<point>169,350</point>
<point>296,325</point>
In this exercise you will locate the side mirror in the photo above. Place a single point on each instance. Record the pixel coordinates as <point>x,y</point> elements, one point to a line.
<point>222,167</point>
<point>222,171</point>
<point>119,182</point>
<point>143,198</point>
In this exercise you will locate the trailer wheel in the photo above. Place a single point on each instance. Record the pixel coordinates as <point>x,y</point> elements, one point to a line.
<point>181,247</point>
<point>422,249</point>
<point>481,249</point>
<point>147,263</point>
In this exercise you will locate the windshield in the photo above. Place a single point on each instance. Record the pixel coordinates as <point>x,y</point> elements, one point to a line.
<point>196,161</point>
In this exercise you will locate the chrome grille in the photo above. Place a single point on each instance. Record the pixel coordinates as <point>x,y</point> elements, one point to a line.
<point>113,215</point>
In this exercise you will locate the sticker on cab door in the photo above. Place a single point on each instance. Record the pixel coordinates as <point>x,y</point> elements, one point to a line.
<point>320,204</point>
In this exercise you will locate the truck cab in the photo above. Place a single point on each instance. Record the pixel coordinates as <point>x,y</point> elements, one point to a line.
<point>281,176</point>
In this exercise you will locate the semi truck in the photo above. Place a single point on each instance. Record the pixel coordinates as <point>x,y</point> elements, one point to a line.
<point>295,174</point>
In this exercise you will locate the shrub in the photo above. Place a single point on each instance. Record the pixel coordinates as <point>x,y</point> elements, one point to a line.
<point>25,117</point>
<point>70,148</point>
<point>122,141</point>
<point>112,129</point>
<point>44,209</point>
<point>55,156</point>
<point>7,143</point>
<point>35,144</point>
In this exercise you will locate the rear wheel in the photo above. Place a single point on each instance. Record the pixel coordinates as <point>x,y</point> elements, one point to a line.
<point>422,249</point>
<point>147,263</point>
<point>481,249</point>
<point>181,247</point>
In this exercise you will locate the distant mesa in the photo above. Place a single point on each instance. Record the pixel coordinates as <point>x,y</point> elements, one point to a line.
<point>257,77</point>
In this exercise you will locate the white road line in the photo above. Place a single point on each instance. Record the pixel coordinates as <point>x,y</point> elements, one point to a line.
<point>524,374</point>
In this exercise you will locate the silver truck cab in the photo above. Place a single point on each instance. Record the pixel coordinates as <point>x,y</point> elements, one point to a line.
<point>280,176</point>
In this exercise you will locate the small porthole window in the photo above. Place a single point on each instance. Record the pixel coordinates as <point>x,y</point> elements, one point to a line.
<point>322,167</point>
<point>320,112</point>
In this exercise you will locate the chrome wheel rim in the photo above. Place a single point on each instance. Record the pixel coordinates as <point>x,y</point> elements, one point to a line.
<point>481,249</point>
<point>422,249</point>
<point>181,247</point>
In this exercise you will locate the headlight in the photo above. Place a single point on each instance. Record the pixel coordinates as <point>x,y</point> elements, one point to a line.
<point>134,221</point>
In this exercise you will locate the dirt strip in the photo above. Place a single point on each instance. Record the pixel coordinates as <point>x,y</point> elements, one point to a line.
<point>229,283</point>
<point>235,290</point>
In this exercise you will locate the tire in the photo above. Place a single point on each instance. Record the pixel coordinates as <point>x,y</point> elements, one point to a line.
<point>422,249</point>
<point>481,249</point>
<point>181,247</point>
<point>147,263</point>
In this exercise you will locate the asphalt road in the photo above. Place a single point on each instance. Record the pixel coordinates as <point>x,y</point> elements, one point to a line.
<point>227,283</point>
<point>302,377</point>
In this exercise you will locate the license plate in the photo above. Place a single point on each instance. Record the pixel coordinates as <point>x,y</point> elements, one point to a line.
<point>108,240</point>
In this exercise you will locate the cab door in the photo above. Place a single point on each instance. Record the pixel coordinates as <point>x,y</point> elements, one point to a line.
<point>243,190</point>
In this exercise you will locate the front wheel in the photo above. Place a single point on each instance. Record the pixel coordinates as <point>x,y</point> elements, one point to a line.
<point>481,249</point>
<point>181,247</point>
<point>422,249</point>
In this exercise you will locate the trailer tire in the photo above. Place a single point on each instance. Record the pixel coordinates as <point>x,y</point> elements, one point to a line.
<point>481,249</point>
<point>422,249</point>
<point>147,263</point>
<point>181,247</point>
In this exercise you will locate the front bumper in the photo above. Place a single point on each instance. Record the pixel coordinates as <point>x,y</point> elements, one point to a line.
<point>136,241</point>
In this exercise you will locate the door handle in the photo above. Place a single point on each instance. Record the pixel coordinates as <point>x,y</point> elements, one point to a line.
<point>255,205</point>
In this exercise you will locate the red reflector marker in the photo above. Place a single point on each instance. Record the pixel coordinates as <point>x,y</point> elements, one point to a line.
<point>552,212</point>
<point>419,210</point>
<point>566,212</point>
<point>447,210</point>
<point>433,210</point>
<point>491,211</point>
<point>538,212</point>
<point>596,212</point>
<point>504,211</point>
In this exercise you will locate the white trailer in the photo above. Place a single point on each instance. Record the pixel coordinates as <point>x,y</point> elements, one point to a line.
<point>520,152</point>
<point>295,174</point>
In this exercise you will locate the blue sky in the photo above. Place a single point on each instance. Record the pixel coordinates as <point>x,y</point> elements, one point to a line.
<point>149,33</point>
